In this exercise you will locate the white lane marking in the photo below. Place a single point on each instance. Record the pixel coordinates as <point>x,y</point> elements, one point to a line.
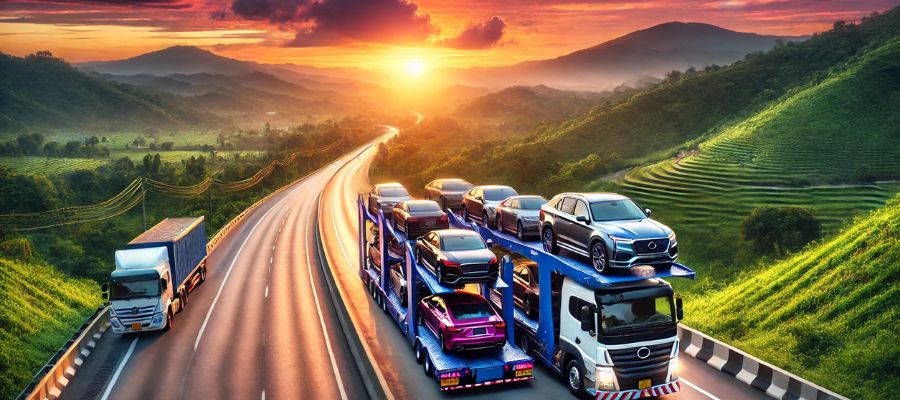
<point>263,395</point>
<point>121,366</point>
<point>337,374</point>
<point>267,291</point>
<point>234,260</point>
<point>271,259</point>
<point>697,388</point>
<point>273,247</point>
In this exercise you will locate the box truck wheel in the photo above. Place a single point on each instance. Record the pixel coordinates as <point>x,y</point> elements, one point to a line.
<point>169,319</point>
<point>574,377</point>
<point>203,273</point>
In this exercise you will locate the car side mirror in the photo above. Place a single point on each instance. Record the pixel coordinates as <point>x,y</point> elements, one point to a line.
<point>679,308</point>
<point>164,283</point>
<point>587,319</point>
<point>648,211</point>
<point>479,198</point>
<point>582,219</point>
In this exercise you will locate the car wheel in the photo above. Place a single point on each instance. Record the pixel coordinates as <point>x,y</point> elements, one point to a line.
<point>439,273</point>
<point>599,259</point>
<point>549,241</point>
<point>527,306</point>
<point>484,219</point>
<point>525,344</point>
<point>520,231</point>
<point>466,216</point>
<point>497,223</point>
<point>444,346</point>
<point>574,378</point>
<point>406,229</point>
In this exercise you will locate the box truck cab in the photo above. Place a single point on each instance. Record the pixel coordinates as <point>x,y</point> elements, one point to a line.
<point>619,338</point>
<point>154,275</point>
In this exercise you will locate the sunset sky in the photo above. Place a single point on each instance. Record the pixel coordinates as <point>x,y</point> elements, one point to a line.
<point>383,34</point>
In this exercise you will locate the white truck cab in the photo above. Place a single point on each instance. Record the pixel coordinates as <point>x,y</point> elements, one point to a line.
<point>141,295</point>
<point>619,338</point>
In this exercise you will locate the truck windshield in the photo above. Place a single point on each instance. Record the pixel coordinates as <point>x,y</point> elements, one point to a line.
<point>134,289</point>
<point>637,313</point>
<point>616,210</point>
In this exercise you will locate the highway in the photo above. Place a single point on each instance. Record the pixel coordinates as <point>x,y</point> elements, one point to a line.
<point>264,324</point>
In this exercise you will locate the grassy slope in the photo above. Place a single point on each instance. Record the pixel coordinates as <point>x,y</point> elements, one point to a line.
<point>40,308</point>
<point>831,312</point>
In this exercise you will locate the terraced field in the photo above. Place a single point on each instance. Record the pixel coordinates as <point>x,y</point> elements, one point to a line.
<point>799,151</point>
<point>48,166</point>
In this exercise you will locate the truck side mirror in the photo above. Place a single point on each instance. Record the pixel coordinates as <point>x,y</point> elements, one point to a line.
<point>647,211</point>
<point>164,284</point>
<point>587,319</point>
<point>679,310</point>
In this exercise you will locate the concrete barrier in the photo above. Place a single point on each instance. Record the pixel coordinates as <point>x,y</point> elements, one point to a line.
<point>774,381</point>
<point>62,367</point>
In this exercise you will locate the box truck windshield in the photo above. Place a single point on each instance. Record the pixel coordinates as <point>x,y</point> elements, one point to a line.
<point>134,287</point>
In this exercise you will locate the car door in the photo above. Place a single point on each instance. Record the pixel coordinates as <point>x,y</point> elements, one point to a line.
<point>510,215</point>
<point>432,243</point>
<point>564,220</point>
<point>472,206</point>
<point>399,216</point>
<point>520,284</point>
<point>580,232</point>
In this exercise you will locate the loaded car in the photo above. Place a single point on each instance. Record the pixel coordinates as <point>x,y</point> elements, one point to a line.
<point>457,256</point>
<point>520,215</point>
<point>462,321</point>
<point>608,228</point>
<point>395,252</point>
<point>447,192</point>
<point>398,282</point>
<point>384,196</point>
<point>480,203</point>
<point>527,292</point>
<point>418,217</point>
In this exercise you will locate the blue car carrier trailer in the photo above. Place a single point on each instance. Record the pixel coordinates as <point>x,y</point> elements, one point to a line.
<point>452,370</point>
<point>611,336</point>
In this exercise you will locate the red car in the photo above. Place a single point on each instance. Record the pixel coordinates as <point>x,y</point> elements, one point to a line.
<point>462,321</point>
<point>418,217</point>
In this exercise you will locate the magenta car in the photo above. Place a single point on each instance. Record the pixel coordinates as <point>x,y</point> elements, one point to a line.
<point>462,321</point>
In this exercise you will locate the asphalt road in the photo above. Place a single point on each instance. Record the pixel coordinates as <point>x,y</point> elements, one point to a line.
<point>264,324</point>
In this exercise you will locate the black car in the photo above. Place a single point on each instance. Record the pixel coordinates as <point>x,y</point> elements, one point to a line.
<point>447,192</point>
<point>457,256</point>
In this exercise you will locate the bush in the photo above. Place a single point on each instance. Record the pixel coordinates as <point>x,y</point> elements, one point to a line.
<point>780,229</point>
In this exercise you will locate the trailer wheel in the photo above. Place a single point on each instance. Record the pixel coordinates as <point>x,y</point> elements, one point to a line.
<point>575,378</point>
<point>429,369</point>
<point>525,344</point>
<point>203,273</point>
<point>419,352</point>
<point>184,297</point>
<point>384,303</point>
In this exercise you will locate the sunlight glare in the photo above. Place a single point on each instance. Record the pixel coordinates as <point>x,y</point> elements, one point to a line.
<point>415,68</point>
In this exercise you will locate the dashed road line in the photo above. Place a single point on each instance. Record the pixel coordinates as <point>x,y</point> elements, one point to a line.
<point>697,388</point>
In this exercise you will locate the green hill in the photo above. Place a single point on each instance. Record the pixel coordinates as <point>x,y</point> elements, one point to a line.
<point>830,313</point>
<point>43,92</point>
<point>40,308</point>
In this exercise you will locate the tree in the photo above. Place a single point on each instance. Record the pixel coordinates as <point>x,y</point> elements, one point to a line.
<point>780,230</point>
<point>30,144</point>
<point>167,146</point>
<point>73,147</point>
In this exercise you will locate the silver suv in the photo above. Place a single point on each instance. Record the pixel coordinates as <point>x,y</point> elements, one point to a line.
<point>608,228</point>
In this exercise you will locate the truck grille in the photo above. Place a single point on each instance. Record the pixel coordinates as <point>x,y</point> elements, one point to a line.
<point>630,368</point>
<point>471,268</point>
<point>128,315</point>
<point>651,246</point>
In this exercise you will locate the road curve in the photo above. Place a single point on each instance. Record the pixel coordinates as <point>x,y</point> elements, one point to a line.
<point>263,325</point>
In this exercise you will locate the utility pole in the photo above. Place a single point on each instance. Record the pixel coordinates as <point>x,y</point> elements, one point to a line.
<point>143,205</point>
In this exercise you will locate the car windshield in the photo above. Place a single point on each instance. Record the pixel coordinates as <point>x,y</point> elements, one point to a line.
<point>636,313</point>
<point>393,192</point>
<point>424,207</point>
<point>498,194</point>
<point>458,243</point>
<point>532,203</point>
<point>456,186</point>
<point>470,310</point>
<point>130,290</point>
<point>615,210</point>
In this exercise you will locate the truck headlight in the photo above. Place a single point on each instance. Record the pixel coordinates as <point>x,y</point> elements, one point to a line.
<point>115,323</point>
<point>157,319</point>
<point>606,379</point>
<point>674,366</point>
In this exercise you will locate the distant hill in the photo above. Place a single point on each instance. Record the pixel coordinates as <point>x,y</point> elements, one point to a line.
<point>172,60</point>
<point>40,91</point>
<point>831,312</point>
<point>650,52</point>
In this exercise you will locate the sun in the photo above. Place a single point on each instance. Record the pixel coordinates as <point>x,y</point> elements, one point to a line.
<point>415,68</point>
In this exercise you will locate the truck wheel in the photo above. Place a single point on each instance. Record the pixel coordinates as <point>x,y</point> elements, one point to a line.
<point>429,369</point>
<point>575,378</point>
<point>203,274</point>
<point>184,297</point>
<point>169,320</point>
<point>549,241</point>
<point>599,259</point>
<point>419,352</point>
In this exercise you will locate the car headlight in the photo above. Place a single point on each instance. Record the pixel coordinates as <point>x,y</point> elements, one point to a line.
<point>606,379</point>
<point>620,239</point>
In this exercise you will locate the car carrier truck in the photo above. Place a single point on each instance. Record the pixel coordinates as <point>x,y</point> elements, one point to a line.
<point>611,336</point>
<point>155,274</point>
<point>452,370</point>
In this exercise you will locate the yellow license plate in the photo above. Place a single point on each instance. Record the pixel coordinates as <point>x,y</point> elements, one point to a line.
<point>643,384</point>
<point>450,382</point>
<point>523,372</point>
<point>136,326</point>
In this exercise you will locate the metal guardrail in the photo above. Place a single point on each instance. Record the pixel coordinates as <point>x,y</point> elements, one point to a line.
<point>774,381</point>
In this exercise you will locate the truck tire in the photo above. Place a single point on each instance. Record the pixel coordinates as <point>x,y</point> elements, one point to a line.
<point>420,356</point>
<point>548,238</point>
<point>429,369</point>
<point>203,273</point>
<point>184,297</point>
<point>169,320</point>
<point>575,378</point>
